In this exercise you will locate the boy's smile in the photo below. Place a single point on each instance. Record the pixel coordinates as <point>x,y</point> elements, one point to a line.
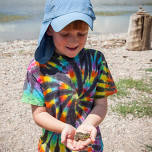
<point>69,42</point>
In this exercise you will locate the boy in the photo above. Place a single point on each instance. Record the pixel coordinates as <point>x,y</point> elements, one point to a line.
<point>68,85</point>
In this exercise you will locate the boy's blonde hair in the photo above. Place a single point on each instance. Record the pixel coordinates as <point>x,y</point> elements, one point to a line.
<point>77,25</point>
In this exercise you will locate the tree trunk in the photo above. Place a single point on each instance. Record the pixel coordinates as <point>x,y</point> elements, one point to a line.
<point>139,32</point>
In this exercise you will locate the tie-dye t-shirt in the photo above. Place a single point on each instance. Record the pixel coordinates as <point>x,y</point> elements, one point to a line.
<point>67,87</point>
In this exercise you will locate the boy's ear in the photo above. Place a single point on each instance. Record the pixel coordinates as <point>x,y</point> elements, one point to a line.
<point>49,31</point>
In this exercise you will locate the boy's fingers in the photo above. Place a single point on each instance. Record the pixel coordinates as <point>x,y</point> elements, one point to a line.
<point>78,145</point>
<point>70,144</point>
<point>63,137</point>
<point>93,134</point>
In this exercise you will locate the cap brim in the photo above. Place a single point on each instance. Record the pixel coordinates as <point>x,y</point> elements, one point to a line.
<point>62,21</point>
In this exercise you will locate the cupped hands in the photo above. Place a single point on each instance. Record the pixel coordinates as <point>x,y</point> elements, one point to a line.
<point>68,133</point>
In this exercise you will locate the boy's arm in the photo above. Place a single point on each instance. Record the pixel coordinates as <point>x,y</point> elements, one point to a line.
<point>98,112</point>
<point>45,120</point>
<point>95,117</point>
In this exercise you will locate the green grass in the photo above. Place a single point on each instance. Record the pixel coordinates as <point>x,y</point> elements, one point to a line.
<point>122,89</point>
<point>140,108</point>
<point>8,18</point>
<point>21,51</point>
<point>128,4</point>
<point>117,13</point>
<point>149,70</point>
<point>124,85</point>
<point>147,148</point>
<point>141,104</point>
<point>147,3</point>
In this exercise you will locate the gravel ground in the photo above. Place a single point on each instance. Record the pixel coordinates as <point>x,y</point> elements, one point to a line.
<point>17,129</point>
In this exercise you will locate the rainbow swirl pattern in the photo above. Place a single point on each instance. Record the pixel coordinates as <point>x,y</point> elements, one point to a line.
<point>67,87</point>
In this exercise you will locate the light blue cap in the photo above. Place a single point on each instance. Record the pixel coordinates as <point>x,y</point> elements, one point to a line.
<point>58,14</point>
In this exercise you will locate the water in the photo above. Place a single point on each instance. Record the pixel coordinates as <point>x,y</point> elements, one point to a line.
<point>29,28</point>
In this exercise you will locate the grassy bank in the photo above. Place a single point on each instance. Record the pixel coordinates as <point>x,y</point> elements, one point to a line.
<point>8,18</point>
<point>136,97</point>
<point>115,13</point>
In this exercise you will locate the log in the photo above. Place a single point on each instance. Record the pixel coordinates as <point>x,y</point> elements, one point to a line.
<point>139,31</point>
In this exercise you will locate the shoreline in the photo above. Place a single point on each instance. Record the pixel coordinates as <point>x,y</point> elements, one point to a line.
<point>20,44</point>
<point>91,33</point>
<point>113,47</point>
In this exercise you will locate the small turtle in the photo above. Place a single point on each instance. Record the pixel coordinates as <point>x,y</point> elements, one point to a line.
<point>81,136</point>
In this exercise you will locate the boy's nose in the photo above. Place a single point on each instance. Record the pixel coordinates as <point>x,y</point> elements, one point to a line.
<point>73,40</point>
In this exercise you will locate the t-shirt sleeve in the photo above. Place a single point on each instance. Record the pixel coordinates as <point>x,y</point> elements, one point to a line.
<point>105,84</point>
<point>32,90</point>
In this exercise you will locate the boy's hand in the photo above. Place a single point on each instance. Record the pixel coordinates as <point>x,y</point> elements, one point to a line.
<point>85,128</point>
<point>67,136</point>
<point>68,133</point>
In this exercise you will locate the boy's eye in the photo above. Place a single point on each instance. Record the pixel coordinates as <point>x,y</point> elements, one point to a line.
<point>64,34</point>
<point>82,34</point>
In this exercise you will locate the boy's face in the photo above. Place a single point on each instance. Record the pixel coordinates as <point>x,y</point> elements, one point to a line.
<point>69,42</point>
